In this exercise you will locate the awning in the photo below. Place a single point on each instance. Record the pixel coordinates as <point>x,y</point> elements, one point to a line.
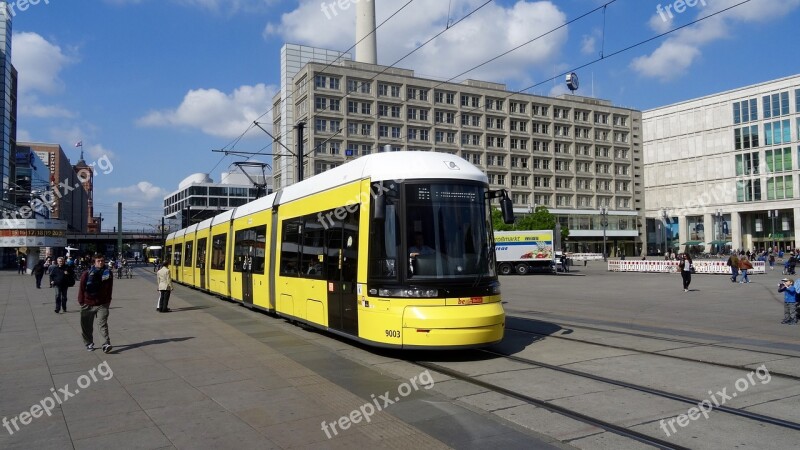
<point>690,243</point>
<point>723,243</point>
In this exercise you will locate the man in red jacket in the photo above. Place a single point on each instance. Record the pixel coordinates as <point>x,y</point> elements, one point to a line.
<point>94,296</point>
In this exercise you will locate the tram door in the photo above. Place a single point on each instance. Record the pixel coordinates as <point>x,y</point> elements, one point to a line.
<point>247,276</point>
<point>341,261</point>
<point>201,261</point>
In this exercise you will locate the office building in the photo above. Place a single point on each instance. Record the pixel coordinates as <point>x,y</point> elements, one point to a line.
<point>572,154</point>
<point>198,197</point>
<point>721,171</point>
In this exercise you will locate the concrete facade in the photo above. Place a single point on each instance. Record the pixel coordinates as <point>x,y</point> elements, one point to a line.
<point>724,169</point>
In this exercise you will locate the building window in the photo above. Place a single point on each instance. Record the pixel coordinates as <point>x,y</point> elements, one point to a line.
<point>778,160</point>
<point>779,188</point>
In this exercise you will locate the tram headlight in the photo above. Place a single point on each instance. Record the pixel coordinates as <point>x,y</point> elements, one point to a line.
<point>409,293</point>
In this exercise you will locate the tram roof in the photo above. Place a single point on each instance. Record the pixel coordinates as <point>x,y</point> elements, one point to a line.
<point>204,224</point>
<point>387,166</point>
<point>259,204</point>
<point>222,217</point>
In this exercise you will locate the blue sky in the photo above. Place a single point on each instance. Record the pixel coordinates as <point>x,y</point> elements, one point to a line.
<point>155,85</point>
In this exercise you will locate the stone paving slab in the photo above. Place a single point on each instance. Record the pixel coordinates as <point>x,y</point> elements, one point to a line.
<point>208,375</point>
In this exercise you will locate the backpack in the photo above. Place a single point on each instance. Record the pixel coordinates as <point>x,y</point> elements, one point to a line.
<point>70,277</point>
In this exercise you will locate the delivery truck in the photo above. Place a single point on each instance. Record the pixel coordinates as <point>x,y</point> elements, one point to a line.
<point>524,251</point>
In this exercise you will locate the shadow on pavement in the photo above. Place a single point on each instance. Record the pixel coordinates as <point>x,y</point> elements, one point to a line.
<point>122,348</point>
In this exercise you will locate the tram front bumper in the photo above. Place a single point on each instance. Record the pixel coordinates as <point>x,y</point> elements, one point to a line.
<point>453,326</point>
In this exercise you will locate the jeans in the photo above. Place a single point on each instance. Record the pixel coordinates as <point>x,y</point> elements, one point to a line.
<point>744,279</point>
<point>687,278</point>
<point>39,281</point>
<point>61,298</point>
<point>88,314</point>
<point>734,273</point>
<point>790,312</point>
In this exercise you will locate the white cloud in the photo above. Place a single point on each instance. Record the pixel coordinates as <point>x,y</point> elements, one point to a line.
<point>143,190</point>
<point>39,64</point>
<point>501,28</point>
<point>588,44</point>
<point>32,107</point>
<point>216,113</point>
<point>674,56</point>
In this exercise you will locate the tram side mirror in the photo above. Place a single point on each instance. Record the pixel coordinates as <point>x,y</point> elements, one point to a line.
<point>379,211</point>
<point>507,208</point>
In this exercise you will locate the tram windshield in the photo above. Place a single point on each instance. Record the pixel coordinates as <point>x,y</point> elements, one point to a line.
<point>443,233</point>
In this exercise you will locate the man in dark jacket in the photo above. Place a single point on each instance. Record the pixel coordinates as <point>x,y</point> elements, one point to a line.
<point>61,278</point>
<point>38,273</point>
<point>94,296</point>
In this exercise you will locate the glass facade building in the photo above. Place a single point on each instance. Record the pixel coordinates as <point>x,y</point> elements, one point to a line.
<point>725,170</point>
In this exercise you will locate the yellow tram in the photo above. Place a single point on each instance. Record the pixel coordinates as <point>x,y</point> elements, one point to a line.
<point>391,249</point>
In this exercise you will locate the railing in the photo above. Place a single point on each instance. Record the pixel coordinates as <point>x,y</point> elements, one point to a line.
<point>701,267</point>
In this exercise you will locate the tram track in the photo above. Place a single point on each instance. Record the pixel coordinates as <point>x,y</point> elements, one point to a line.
<point>647,352</point>
<point>585,418</point>
<point>572,326</point>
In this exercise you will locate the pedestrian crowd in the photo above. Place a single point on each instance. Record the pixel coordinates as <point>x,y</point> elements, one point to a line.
<point>95,279</point>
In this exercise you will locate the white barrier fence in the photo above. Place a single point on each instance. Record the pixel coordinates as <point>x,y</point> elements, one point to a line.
<point>585,256</point>
<point>709,267</point>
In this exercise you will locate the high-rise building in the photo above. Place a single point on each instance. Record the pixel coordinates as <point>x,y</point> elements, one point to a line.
<point>293,58</point>
<point>572,154</point>
<point>7,85</point>
<point>722,172</point>
<point>70,200</point>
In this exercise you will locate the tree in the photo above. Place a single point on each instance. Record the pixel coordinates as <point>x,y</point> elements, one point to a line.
<point>497,221</point>
<point>540,219</point>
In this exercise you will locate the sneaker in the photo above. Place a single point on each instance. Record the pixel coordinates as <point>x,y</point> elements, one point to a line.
<point>107,348</point>
<point>56,311</point>
<point>90,347</point>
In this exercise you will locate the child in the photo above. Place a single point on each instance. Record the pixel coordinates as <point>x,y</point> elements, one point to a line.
<point>789,301</point>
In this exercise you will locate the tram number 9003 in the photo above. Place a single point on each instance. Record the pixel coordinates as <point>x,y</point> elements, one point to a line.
<point>393,333</point>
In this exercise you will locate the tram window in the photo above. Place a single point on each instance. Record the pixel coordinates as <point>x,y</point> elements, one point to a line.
<point>218,245</point>
<point>290,247</point>
<point>200,260</point>
<point>187,258</point>
<point>311,261</point>
<point>248,250</point>
<point>178,253</point>
<point>384,242</point>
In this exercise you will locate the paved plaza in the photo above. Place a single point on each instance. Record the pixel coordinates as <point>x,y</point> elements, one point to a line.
<point>210,374</point>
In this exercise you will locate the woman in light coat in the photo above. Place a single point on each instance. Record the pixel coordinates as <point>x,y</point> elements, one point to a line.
<point>164,279</point>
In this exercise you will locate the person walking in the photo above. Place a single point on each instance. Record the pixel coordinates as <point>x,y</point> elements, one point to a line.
<point>38,272</point>
<point>686,267</point>
<point>61,278</point>
<point>789,301</point>
<point>733,262</point>
<point>21,265</point>
<point>744,266</point>
<point>164,279</point>
<point>94,296</point>
<point>771,259</point>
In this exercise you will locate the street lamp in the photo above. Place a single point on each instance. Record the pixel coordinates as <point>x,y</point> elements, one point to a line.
<point>719,229</point>
<point>604,223</point>
<point>772,216</point>
<point>665,221</point>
